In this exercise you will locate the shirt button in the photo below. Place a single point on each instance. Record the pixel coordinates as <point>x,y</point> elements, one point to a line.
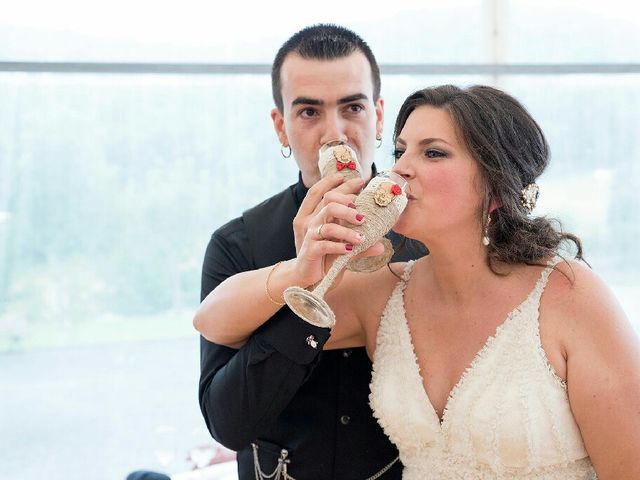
<point>345,419</point>
<point>346,353</point>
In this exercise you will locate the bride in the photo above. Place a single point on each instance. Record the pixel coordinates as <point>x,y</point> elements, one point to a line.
<point>493,356</point>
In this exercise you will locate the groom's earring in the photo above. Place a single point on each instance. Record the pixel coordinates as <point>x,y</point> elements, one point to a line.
<point>485,238</point>
<point>284,152</point>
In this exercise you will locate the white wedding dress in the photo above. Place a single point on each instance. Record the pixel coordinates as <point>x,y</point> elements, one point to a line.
<point>508,417</point>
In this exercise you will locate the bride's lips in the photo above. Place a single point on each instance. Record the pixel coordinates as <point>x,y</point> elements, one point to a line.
<point>410,197</point>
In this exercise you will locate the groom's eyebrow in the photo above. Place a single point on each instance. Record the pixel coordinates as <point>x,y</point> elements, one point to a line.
<point>341,101</point>
<point>352,98</point>
<point>306,101</point>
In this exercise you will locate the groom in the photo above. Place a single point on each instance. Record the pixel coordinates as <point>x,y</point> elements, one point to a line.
<point>280,401</point>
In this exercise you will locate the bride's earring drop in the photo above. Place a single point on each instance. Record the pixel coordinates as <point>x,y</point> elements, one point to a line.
<point>485,237</point>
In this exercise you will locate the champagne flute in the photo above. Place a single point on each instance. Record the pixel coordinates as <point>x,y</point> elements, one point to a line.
<point>338,157</point>
<point>382,201</point>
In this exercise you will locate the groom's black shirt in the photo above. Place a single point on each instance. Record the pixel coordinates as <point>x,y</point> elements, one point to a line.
<point>280,390</point>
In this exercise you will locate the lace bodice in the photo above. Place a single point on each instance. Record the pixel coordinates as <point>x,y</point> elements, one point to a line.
<point>507,417</point>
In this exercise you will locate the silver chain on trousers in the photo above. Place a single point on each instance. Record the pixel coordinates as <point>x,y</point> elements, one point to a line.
<point>384,470</point>
<point>280,472</point>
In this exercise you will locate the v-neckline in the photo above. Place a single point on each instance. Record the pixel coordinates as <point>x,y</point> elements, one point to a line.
<point>454,392</point>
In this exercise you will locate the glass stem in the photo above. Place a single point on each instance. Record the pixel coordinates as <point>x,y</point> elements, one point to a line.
<point>331,275</point>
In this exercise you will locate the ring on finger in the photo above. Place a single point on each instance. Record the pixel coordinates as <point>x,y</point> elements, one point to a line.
<point>319,232</point>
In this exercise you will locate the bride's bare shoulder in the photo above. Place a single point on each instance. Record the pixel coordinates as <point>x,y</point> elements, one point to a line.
<point>358,301</point>
<point>375,288</point>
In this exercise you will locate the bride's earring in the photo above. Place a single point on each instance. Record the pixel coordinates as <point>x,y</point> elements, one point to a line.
<point>485,238</point>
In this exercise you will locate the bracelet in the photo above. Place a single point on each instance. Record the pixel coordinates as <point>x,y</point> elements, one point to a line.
<point>266,286</point>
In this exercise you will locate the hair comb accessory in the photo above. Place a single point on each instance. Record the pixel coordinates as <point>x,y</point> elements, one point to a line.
<point>529,196</point>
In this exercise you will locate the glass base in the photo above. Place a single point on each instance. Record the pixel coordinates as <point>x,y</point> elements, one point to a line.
<point>371,264</point>
<point>309,307</point>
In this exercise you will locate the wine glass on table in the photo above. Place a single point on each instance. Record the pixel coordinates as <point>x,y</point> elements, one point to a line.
<point>382,201</point>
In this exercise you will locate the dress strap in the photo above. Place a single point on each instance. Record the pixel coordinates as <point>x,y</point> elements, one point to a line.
<point>401,284</point>
<point>406,274</point>
<point>544,277</point>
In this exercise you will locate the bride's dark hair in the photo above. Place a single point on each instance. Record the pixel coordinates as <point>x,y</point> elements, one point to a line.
<point>511,153</point>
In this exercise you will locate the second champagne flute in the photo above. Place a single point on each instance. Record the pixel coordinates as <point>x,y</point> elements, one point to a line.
<point>382,201</point>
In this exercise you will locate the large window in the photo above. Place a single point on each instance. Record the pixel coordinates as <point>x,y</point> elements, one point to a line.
<point>111,184</point>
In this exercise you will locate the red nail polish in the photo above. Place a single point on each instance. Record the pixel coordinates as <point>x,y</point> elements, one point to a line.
<point>352,205</point>
<point>359,217</point>
<point>349,247</point>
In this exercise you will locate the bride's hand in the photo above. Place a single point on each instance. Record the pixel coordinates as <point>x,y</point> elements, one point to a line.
<point>327,234</point>
<point>329,189</point>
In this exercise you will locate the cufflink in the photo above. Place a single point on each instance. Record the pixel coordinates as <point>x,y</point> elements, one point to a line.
<point>311,341</point>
